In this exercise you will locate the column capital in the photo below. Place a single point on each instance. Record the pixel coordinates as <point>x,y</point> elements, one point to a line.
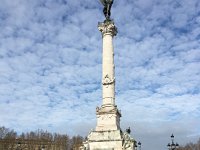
<point>107,27</point>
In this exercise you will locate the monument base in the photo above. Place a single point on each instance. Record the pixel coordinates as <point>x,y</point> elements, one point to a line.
<point>108,140</point>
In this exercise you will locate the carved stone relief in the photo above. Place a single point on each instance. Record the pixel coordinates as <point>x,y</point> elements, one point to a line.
<point>107,81</point>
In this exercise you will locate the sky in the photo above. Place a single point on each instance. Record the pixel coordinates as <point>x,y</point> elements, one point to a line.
<point>51,65</point>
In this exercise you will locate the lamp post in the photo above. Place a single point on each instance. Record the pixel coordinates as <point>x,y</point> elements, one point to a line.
<point>172,146</point>
<point>139,145</point>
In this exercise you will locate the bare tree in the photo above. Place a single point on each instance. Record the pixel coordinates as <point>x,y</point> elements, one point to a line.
<point>191,146</point>
<point>36,140</point>
<point>76,142</point>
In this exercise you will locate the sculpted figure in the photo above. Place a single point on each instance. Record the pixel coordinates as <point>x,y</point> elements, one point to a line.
<point>128,142</point>
<point>97,109</point>
<point>107,7</point>
<point>128,130</point>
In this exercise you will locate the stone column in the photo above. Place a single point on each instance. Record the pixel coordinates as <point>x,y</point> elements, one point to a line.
<point>108,31</point>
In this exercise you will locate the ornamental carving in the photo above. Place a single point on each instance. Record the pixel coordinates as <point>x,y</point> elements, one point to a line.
<point>128,142</point>
<point>103,111</point>
<point>107,27</point>
<point>107,80</point>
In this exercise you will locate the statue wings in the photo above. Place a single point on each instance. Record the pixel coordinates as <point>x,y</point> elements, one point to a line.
<point>103,2</point>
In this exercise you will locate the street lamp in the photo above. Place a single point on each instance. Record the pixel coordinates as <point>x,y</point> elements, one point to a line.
<point>139,145</point>
<point>172,146</point>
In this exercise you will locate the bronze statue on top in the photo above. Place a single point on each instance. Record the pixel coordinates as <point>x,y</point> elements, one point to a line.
<point>107,7</point>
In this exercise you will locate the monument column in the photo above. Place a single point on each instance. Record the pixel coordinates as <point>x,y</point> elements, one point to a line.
<point>108,116</point>
<point>108,135</point>
<point>108,30</point>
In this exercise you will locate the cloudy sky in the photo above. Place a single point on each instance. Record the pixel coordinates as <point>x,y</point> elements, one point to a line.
<point>50,67</point>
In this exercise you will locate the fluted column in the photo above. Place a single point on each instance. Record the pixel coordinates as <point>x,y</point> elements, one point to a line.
<point>108,31</point>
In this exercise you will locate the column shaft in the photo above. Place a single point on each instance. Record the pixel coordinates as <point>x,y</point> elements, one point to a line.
<point>108,31</point>
<point>108,75</point>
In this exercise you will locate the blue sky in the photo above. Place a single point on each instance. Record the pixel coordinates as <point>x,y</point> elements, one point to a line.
<point>50,67</point>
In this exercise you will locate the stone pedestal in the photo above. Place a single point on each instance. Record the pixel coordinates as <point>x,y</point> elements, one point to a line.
<point>109,140</point>
<point>108,118</point>
<point>107,134</point>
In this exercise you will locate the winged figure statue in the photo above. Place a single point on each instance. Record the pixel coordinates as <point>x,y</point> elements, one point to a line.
<point>107,7</point>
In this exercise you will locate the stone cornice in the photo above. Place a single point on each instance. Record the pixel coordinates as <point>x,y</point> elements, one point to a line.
<point>102,111</point>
